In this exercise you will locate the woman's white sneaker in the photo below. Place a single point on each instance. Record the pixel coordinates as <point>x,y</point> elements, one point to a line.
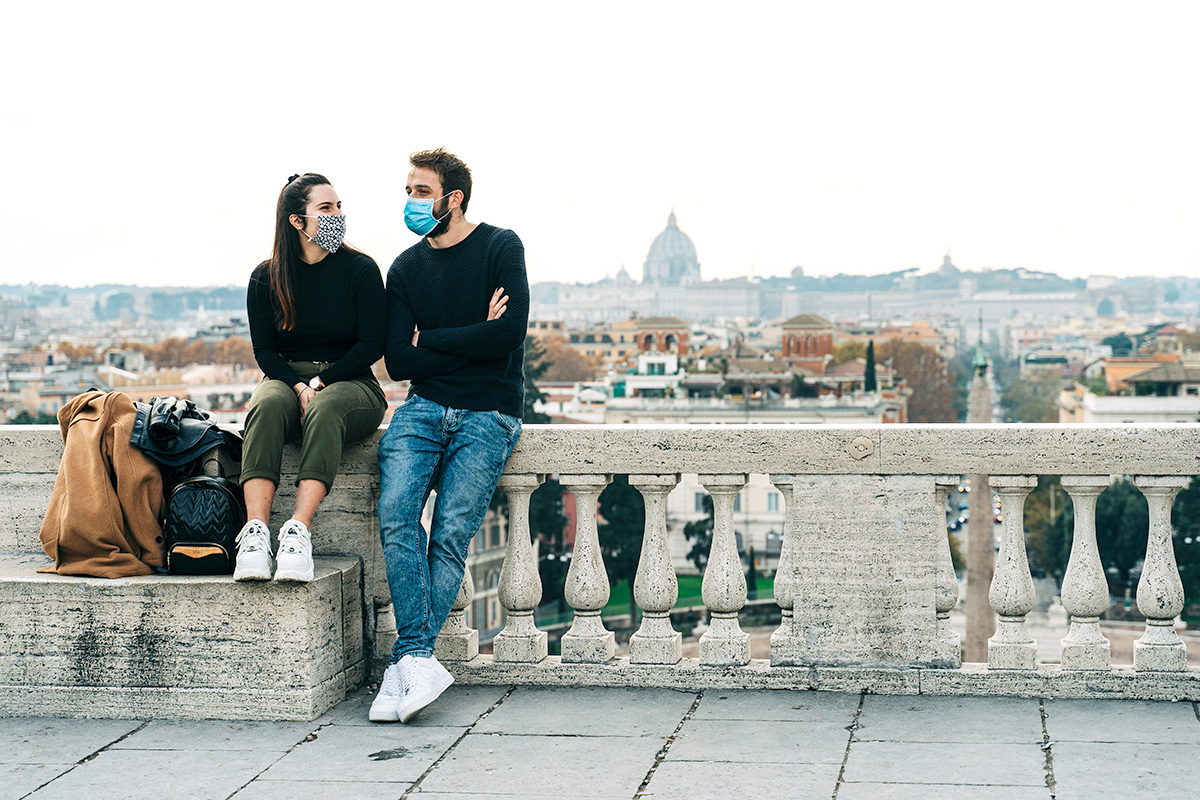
<point>254,552</point>
<point>294,558</point>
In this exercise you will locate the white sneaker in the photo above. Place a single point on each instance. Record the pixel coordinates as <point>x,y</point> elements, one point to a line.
<point>429,680</point>
<point>295,553</point>
<point>254,561</point>
<point>391,692</point>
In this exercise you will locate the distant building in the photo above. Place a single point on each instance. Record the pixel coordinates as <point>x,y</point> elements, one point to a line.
<point>672,258</point>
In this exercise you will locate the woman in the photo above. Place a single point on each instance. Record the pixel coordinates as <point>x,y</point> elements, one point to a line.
<point>318,318</point>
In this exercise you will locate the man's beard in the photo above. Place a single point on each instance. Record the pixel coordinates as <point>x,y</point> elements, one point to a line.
<point>444,215</point>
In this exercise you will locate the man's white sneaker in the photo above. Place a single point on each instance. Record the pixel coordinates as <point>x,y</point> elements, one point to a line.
<point>429,680</point>
<point>295,553</point>
<point>254,561</point>
<point>391,692</point>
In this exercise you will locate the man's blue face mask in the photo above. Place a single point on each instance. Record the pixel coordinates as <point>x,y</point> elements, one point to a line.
<point>418,215</point>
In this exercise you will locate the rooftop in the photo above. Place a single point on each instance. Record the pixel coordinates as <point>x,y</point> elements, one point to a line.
<point>518,741</point>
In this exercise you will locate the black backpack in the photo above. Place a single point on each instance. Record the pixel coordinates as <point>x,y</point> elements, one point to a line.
<point>204,515</point>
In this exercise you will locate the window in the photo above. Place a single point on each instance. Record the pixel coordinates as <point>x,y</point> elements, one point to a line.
<point>699,498</point>
<point>737,502</point>
<point>656,369</point>
<point>495,533</point>
<point>773,502</point>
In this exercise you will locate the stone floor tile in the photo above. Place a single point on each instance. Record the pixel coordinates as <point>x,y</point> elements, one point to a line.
<point>559,766</point>
<point>996,764</point>
<point>790,704</point>
<point>692,780</point>
<point>1097,771</point>
<point>927,791</point>
<point>1121,721</point>
<point>589,712</point>
<point>386,753</point>
<point>217,735</point>
<point>459,706</point>
<point>21,779</point>
<point>178,774</point>
<point>27,740</point>
<point>323,790</point>
<point>751,741</point>
<point>949,719</point>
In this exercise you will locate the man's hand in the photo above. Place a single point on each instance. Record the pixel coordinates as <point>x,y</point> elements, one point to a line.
<point>416,335</point>
<point>497,306</point>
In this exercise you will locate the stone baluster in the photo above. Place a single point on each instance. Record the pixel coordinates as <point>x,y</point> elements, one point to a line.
<point>1084,589</point>
<point>457,642</point>
<point>947,647</point>
<point>655,588</point>
<point>1011,593</point>
<point>520,584</point>
<point>1160,591</point>
<point>586,588</point>
<point>787,586</point>
<point>724,585</point>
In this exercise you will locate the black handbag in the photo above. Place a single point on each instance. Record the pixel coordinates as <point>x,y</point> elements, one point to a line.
<point>204,515</point>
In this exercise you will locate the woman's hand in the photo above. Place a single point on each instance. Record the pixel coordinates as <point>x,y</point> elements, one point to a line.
<point>305,397</point>
<point>498,304</point>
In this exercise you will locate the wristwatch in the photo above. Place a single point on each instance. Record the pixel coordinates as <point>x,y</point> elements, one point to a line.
<point>315,384</point>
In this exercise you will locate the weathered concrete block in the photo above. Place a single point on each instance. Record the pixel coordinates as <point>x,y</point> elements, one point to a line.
<point>866,572</point>
<point>25,499</point>
<point>1159,657</point>
<point>176,646</point>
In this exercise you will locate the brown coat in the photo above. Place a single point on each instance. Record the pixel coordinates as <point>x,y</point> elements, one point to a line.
<point>107,501</point>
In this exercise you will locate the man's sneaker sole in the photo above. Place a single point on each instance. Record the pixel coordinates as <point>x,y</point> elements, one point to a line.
<point>384,714</point>
<point>442,684</point>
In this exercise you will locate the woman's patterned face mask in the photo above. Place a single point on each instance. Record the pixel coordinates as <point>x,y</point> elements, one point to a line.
<point>331,229</point>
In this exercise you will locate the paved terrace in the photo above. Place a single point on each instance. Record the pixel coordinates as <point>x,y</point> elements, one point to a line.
<point>537,742</point>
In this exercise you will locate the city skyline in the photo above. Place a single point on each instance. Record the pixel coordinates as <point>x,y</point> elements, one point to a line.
<point>149,143</point>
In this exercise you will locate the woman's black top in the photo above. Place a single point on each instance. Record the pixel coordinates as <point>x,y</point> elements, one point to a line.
<point>341,317</point>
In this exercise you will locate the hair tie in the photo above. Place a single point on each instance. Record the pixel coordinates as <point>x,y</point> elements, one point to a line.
<point>289,180</point>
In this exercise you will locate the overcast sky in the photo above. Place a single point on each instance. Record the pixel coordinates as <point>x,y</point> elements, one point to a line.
<point>147,143</point>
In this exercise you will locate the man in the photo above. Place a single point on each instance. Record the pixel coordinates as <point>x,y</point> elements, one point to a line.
<point>458,304</point>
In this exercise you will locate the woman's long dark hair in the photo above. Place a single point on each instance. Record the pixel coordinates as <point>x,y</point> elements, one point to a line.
<point>285,255</point>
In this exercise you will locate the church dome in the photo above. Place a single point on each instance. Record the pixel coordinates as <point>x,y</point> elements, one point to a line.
<point>672,257</point>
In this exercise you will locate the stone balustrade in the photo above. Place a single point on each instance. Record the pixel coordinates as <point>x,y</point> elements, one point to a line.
<point>865,583</point>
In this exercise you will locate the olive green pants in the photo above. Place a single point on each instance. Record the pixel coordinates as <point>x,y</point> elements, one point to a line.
<point>342,412</point>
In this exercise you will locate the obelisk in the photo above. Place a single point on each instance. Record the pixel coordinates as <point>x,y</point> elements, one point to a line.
<point>981,553</point>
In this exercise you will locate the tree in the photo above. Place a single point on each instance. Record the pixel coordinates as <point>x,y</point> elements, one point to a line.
<point>566,363</point>
<point>924,371</point>
<point>1122,526</point>
<point>752,574</point>
<point>699,533</point>
<point>624,514</point>
<point>846,352</point>
<point>1185,516</point>
<point>1034,399</point>
<point>1049,526</point>
<point>1122,345</point>
<point>869,379</point>
<point>536,365</point>
<point>234,350</point>
<point>81,353</point>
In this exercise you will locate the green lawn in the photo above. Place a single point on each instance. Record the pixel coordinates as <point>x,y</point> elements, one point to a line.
<point>689,594</point>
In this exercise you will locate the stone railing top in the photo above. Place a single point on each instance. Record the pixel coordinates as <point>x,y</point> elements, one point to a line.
<point>997,449</point>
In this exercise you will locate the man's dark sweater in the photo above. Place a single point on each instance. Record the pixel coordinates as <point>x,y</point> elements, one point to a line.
<point>341,317</point>
<point>461,360</point>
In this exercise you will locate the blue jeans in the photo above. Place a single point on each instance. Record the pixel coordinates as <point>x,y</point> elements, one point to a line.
<point>460,453</point>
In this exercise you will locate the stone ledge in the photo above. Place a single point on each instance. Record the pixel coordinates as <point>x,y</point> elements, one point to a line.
<point>973,679</point>
<point>178,646</point>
